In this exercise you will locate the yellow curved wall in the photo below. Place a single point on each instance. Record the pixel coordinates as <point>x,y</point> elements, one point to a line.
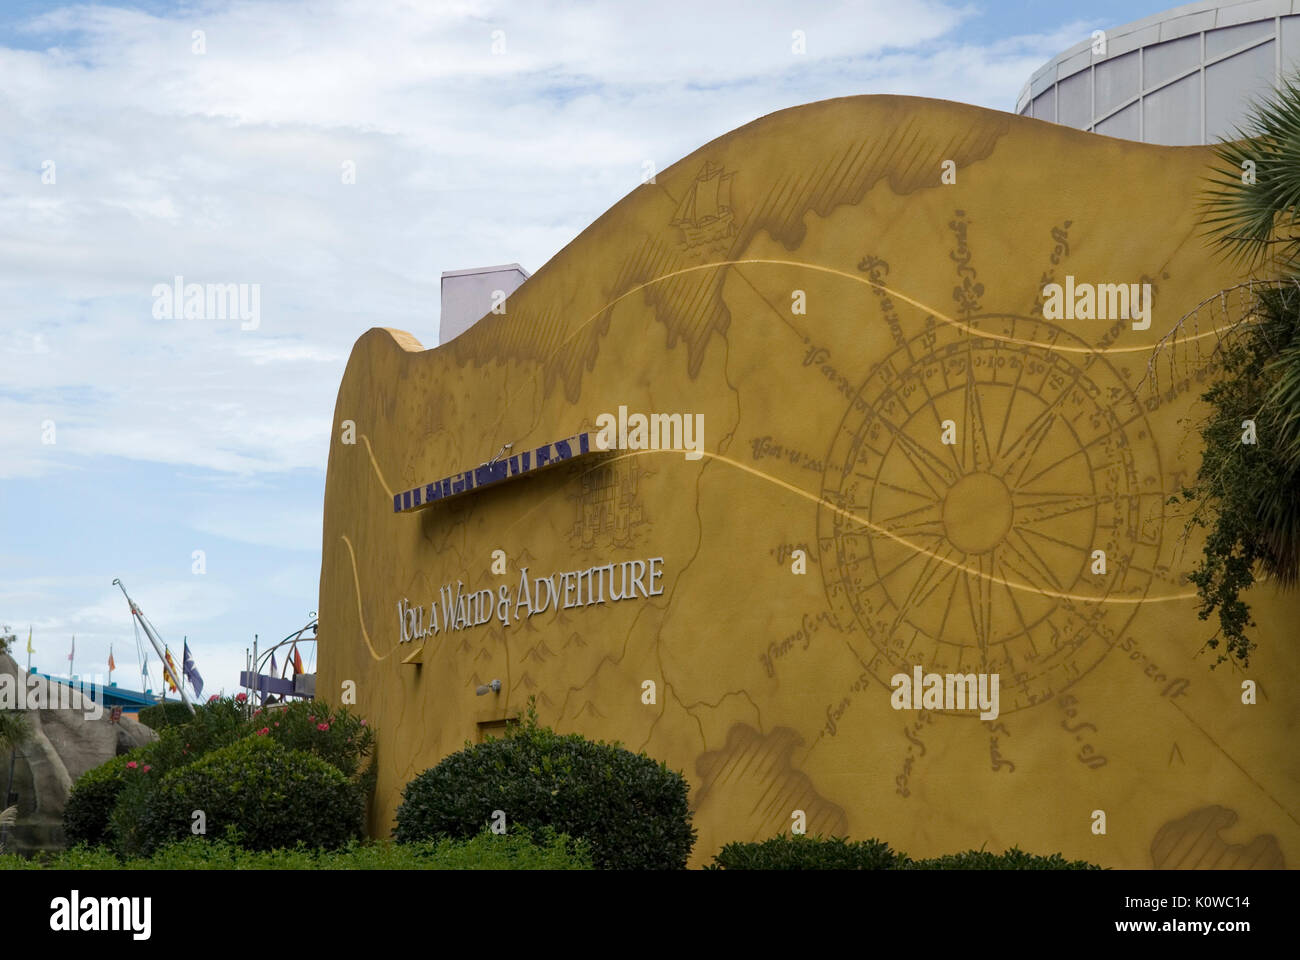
<point>823,432</point>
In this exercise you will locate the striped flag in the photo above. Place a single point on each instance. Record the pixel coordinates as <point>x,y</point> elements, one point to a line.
<point>297,660</point>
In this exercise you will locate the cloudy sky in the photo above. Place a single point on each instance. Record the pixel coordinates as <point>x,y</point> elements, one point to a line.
<point>128,441</point>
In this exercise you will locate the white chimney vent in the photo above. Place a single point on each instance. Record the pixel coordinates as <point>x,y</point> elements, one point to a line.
<point>469,295</point>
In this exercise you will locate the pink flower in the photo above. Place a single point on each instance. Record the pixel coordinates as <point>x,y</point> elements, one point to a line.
<point>241,697</point>
<point>131,764</point>
<point>257,711</point>
<point>311,719</point>
<point>363,721</point>
<point>264,731</point>
<point>212,699</point>
<point>322,726</point>
<point>146,768</point>
<point>277,723</point>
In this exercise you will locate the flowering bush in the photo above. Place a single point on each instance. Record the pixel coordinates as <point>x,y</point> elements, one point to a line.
<point>101,810</point>
<point>338,737</point>
<point>95,794</point>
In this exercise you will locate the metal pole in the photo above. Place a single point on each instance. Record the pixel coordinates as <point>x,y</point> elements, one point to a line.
<point>9,785</point>
<point>157,647</point>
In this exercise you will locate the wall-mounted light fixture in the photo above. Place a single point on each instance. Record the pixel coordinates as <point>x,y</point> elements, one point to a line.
<point>493,687</point>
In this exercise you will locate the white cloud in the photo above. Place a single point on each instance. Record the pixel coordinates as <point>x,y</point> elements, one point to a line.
<point>225,168</point>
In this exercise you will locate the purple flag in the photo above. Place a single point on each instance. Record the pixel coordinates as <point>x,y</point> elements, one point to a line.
<point>191,672</point>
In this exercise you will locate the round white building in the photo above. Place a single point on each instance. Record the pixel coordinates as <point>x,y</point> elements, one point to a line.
<point>1185,76</point>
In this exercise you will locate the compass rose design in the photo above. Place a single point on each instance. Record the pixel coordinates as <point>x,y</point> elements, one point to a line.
<point>982,556</point>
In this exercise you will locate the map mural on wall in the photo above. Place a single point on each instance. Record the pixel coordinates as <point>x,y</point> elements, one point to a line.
<point>911,460</point>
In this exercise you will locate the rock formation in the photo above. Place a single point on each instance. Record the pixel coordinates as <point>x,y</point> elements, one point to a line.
<point>67,740</point>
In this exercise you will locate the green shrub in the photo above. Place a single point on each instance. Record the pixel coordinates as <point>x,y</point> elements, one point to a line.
<point>216,724</point>
<point>125,835</point>
<point>92,816</point>
<point>259,794</point>
<point>78,858</point>
<point>837,853</point>
<point>631,810</point>
<point>88,812</point>
<point>487,851</point>
<point>90,802</point>
<point>786,852</point>
<point>162,715</point>
<point>89,816</point>
<point>1013,859</point>
<point>338,737</point>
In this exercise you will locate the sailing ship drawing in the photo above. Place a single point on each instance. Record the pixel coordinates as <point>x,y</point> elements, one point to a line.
<point>704,214</point>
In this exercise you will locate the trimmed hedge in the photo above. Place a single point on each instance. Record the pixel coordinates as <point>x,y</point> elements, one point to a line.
<point>787,852</point>
<point>515,851</point>
<point>1013,859</point>
<point>631,810</point>
<point>256,793</point>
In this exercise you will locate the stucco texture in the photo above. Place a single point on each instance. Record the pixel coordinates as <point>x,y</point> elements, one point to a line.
<point>823,433</point>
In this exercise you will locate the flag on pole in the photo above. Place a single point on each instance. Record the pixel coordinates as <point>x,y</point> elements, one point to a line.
<point>73,651</point>
<point>167,674</point>
<point>111,665</point>
<point>273,667</point>
<point>29,640</point>
<point>191,672</point>
<point>297,660</point>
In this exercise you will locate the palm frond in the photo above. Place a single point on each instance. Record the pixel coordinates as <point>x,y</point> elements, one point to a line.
<point>1245,217</point>
<point>14,729</point>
